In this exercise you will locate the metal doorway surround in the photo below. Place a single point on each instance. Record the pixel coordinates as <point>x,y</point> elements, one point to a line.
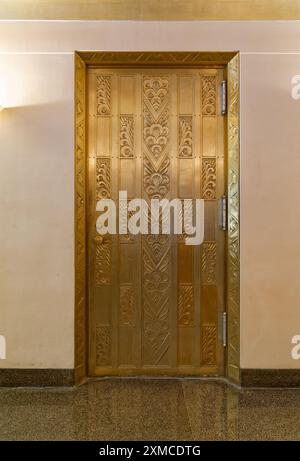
<point>177,60</point>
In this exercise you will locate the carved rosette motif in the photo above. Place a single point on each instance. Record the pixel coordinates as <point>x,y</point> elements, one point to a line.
<point>156,248</point>
<point>185,136</point>
<point>209,176</point>
<point>127,136</point>
<point>103,94</point>
<point>208,95</point>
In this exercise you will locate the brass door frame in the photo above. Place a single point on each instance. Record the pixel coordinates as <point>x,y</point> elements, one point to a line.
<point>230,62</point>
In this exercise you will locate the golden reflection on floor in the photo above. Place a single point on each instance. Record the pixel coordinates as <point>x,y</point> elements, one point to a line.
<point>150,409</point>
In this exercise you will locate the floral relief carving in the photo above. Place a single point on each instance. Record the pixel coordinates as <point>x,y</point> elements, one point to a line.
<point>209,175</point>
<point>156,91</point>
<point>127,136</point>
<point>156,183</point>
<point>156,273</point>
<point>156,133</point>
<point>102,178</point>
<point>185,136</point>
<point>156,249</point>
<point>208,95</point>
<point>103,92</point>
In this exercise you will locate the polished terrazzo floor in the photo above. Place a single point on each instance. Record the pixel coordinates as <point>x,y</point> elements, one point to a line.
<point>136,409</point>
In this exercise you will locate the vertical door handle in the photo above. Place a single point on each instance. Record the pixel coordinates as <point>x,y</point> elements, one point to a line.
<point>223,212</point>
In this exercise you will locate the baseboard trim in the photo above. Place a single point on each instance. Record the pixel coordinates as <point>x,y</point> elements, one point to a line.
<point>53,377</point>
<point>36,377</point>
<point>270,377</point>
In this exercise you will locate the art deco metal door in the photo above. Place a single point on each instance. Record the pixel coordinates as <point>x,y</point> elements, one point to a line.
<point>155,303</point>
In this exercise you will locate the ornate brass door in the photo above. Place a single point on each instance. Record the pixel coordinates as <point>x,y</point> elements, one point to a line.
<point>155,303</point>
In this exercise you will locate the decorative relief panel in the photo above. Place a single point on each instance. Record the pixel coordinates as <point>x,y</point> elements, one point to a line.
<point>208,263</point>
<point>156,249</point>
<point>156,341</point>
<point>156,91</point>
<point>185,135</point>
<point>103,92</point>
<point>156,183</point>
<point>186,305</point>
<point>208,95</point>
<point>209,176</point>
<point>208,344</point>
<point>156,124</point>
<point>158,244</point>
<point>103,345</point>
<point>103,264</point>
<point>156,277</point>
<point>127,136</point>
<point>125,238</point>
<point>102,178</point>
<point>127,308</point>
<point>156,135</point>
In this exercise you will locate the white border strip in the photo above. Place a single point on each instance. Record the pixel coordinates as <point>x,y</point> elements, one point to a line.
<point>68,53</point>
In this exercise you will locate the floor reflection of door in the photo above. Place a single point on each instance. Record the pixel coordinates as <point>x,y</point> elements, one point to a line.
<point>155,304</point>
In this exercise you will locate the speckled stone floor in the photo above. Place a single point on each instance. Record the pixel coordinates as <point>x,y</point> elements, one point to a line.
<point>137,409</point>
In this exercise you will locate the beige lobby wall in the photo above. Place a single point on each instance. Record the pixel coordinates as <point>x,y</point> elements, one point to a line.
<point>270,211</point>
<point>36,194</point>
<point>36,179</point>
